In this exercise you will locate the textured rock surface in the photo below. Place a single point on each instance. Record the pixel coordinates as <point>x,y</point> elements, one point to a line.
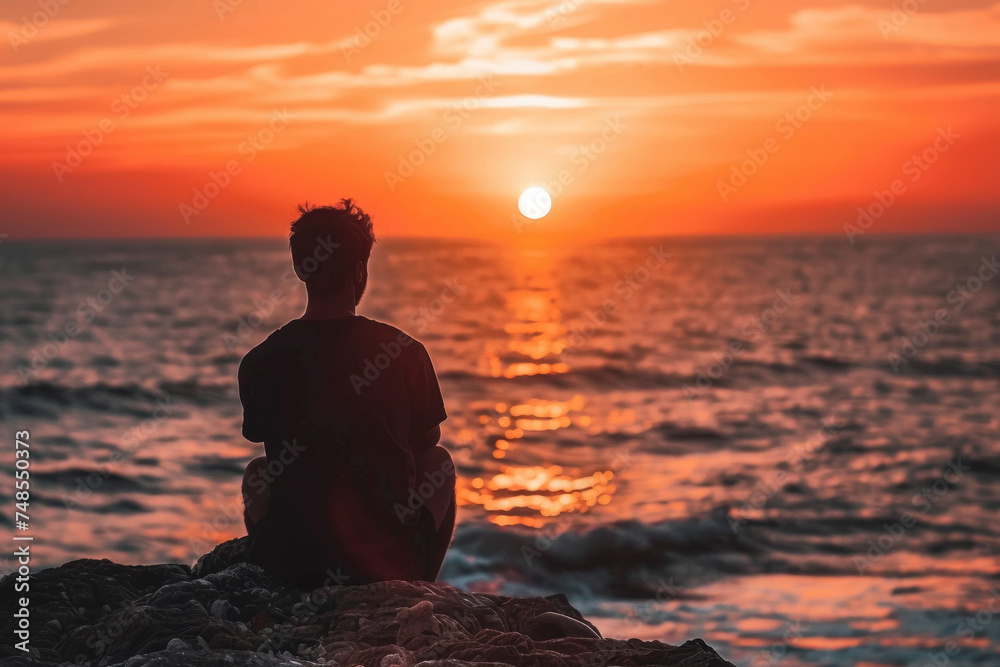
<point>224,611</point>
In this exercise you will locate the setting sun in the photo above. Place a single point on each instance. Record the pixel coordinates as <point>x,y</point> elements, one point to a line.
<point>535,203</point>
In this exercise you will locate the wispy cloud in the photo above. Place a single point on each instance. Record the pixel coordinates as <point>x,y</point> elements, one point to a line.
<point>855,34</point>
<point>560,67</point>
<point>53,30</point>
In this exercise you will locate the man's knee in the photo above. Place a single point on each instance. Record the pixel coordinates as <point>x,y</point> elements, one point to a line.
<point>436,459</point>
<point>255,492</point>
<point>253,472</point>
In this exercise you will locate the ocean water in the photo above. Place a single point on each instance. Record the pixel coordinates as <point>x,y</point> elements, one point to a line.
<point>788,447</point>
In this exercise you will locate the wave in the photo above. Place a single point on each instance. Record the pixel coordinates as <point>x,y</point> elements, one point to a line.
<point>627,375</point>
<point>598,376</point>
<point>49,400</point>
<point>105,479</point>
<point>625,559</point>
<point>630,559</point>
<point>954,368</point>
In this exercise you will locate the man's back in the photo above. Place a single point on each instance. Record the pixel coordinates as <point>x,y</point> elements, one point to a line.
<point>337,404</point>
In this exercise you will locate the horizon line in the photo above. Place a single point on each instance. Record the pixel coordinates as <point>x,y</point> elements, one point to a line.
<point>509,240</point>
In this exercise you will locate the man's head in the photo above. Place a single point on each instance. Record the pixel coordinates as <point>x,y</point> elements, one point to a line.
<point>331,246</point>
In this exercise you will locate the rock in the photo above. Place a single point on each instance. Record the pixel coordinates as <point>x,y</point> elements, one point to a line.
<point>225,611</point>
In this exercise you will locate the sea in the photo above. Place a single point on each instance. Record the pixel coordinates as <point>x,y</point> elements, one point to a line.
<point>787,446</point>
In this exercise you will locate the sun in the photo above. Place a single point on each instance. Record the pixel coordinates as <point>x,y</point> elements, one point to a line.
<point>535,203</point>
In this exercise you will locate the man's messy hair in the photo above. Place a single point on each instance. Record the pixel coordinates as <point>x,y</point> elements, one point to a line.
<point>327,242</point>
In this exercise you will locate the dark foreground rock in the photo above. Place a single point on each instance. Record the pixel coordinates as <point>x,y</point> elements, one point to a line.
<point>227,612</point>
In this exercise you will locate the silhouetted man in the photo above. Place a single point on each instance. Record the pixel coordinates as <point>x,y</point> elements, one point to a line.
<point>353,488</point>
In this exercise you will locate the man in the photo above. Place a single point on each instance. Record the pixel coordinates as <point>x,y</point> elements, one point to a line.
<point>353,488</point>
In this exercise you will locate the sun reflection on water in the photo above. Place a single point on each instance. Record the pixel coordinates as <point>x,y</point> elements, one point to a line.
<point>524,490</point>
<point>544,491</point>
<point>531,494</point>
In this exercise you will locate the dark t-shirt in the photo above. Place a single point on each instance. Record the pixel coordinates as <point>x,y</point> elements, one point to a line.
<point>336,402</point>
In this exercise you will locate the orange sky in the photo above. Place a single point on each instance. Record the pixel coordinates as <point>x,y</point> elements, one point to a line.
<point>644,108</point>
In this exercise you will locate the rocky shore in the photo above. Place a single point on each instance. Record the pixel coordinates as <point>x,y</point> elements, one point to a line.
<point>224,611</point>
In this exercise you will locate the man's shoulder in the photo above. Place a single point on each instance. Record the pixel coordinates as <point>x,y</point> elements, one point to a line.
<point>367,333</point>
<point>260,352</point>
<point>387,333</point>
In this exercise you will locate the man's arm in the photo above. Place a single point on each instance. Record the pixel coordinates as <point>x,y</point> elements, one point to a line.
<point>426,403</point>
<point>249,396</point>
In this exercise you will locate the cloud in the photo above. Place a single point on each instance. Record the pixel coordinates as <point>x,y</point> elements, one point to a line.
<point>544,54</point>
<point>855,34</point>
<point>484,34</point>
<point>53,30</point>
